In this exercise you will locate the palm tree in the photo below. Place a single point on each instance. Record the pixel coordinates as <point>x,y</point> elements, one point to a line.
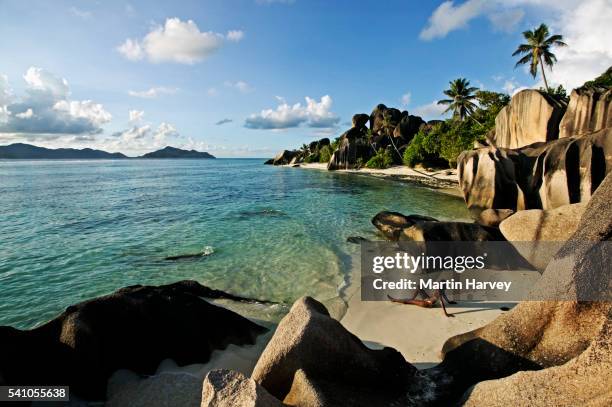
<point>462,96</point>
<point>537,50</point>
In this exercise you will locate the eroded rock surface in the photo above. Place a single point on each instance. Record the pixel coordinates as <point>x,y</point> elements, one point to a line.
<point>134,328</point>
<point>539,176</point>
<point>530,117</point>
<point>589,110</point>
<point>313,357</point>
<point>226,388</point>
<point>563,342</point>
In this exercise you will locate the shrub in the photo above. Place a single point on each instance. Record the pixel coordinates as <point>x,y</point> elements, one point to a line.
<point>382,159</point>
<point>312,158</point>
<point>325,154</point>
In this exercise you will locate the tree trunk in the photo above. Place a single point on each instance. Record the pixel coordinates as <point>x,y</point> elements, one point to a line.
<point>543,74</point>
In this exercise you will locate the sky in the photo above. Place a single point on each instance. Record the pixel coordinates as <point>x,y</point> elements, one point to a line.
<point>247,78</point>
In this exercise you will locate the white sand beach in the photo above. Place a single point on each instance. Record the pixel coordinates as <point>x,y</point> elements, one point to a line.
<point>445,181</point>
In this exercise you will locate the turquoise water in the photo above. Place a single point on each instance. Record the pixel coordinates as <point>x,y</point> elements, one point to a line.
<point>73,230</point>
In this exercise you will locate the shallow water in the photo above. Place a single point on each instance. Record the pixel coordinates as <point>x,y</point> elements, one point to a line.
<point>73,230</point>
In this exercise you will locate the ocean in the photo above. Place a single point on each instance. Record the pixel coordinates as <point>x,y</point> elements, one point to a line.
<point>74,230</point>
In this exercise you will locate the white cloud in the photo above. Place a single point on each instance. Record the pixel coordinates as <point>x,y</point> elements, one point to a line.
<point>313,114</point>
<point>85,109</point>
<point>131,49</point>
<point>449,17</point>
<point>152,93</point>
<point>241,86</point>
<point>45,111</point>
<point>584,24</point>
<point>506,20</point>
<point>235,35</point>
<point>406,98</point>
<point>84,14</point>
<point>40,80</point>
<point>136,116</point>
<point>176,41</point>
<point>25,115</point>
<point>429,111</point>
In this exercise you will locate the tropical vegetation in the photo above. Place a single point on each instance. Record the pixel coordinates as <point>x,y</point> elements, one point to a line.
<point>537,51</point>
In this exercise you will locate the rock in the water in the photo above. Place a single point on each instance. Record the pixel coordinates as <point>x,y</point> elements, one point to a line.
<point>341,369</point>
<point>134,328</point>
<point>360,120</point>
<point>589,110</point>
<point>530,117</point>
<point>567,338</point>
<point>269,162</point>
<point>493,217</point>
<point>163,390</point>
<point>540,228</point>
<point>226,388</point>
<point>356,239</point>
<point>433,231</point>
<point>540,176</point>
<point>284,157</point>
<point>391,224</point>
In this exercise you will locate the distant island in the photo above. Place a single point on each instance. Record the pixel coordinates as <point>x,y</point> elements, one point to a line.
<point>172,152</point>
<point>23,151</point>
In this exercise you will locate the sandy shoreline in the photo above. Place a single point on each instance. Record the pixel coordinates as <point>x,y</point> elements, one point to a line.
<point>443,181</point>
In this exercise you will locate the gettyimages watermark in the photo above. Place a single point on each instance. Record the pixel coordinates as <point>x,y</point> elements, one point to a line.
<point>486,271</point>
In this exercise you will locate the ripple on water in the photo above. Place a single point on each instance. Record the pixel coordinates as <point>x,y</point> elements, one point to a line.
<point>75,230</point>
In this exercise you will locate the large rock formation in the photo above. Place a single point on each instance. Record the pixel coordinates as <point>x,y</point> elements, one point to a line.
<point>353,147</point>
<point>539,176</point>
<point>530,117</point>
<point>408,127</point>
<point>565,340</point>
<point>312,360</point>
<point>589,108</point>
<point>535,231</point>
<point>391,224</point>
<point>284,157</point>
<point>134,328</point>
<point>226,388</point>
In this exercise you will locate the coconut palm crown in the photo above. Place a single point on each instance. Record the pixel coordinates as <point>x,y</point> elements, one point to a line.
<point>462,97</point>
<point>537,50</point>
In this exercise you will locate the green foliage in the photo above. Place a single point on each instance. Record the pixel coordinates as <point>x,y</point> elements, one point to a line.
<point>602,81</point>
<point>382,159</point>
<point>461,98</point>
<point>558,93</point>
<point>311,158</point>
<point>415,151</point>
<point>335,144</point>
<point>359,163</point>
<point>325,154</point>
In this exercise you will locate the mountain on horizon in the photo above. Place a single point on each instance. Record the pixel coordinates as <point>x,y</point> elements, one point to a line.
<point>24,151</point>
<point>173,152</point>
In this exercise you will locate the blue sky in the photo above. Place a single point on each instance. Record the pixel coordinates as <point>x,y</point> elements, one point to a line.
<point>226,76</point>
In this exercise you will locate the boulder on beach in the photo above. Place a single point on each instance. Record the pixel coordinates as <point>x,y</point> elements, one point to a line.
<point>493,217</point>
<point>391,224</point>
<point>134,328</point>
<point>383,119</point>
<point>284,157</point>
<point>335,365</point>
<point>531,116</point>
<point>539,176</point>
<point>226,388</point>
<point>562,344</point>
<point>352,148</point>
<point>535,229</point>
<point>434,231</point>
